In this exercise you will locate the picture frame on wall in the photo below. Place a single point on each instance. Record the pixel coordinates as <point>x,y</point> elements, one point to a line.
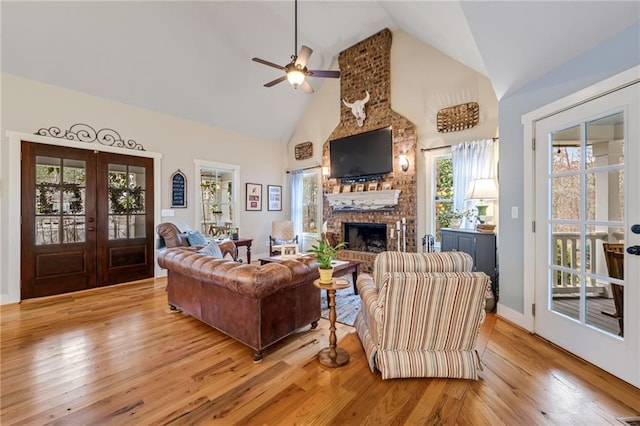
<point>274,197</point>
<point>360,187</point>
<point>386,186</point>
<point>346,188</point>
<point>373,186</point>
<point>254,197</point>
<point>178,190</point>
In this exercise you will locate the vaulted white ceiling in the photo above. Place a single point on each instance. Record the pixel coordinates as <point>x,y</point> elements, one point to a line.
<point>193,59</point>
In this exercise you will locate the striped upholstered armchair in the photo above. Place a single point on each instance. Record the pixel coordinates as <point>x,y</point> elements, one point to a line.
<point>421,314</point>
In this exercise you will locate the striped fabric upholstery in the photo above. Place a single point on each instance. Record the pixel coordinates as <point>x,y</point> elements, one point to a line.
<point>427,326</point>
<point>393,261</point>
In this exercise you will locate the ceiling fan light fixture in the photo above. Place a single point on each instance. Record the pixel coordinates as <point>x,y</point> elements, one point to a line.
<point>295,77</point>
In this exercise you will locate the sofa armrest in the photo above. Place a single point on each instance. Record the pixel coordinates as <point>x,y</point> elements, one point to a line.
<point>372,311</point>
<point>229,247</point>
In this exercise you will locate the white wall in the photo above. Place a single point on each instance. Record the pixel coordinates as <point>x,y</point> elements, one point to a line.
<point>618,54</point>
<point>29,105</point>
<point>423,81</point>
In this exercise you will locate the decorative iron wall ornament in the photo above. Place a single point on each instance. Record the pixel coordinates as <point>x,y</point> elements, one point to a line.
<point>459,117</point>
<point>84,133</point>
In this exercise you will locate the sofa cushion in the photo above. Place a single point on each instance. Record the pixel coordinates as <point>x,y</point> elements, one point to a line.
<point>212,250</point>
<point>195,238</point>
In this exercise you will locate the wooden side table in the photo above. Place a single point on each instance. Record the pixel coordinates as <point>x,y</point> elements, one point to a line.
<point>333,356</point>
<point>245,242</point>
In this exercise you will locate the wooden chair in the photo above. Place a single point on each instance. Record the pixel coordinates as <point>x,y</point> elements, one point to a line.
<point>281,233</point>
<point>614,257</point>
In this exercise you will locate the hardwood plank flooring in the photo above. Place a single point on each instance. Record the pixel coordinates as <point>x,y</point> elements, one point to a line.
<point>119,356</point>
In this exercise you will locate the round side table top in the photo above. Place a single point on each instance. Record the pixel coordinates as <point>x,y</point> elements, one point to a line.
<point>335,284</point>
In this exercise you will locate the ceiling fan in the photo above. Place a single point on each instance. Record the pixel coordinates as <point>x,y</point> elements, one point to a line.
<point>296,71</point>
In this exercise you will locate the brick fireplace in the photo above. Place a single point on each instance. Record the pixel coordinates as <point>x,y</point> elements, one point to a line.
<point>366,66</point>
<point>367,237</point>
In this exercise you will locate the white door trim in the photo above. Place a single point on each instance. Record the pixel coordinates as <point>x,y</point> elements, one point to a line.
<point>10,250</point>
<point>529,119</point>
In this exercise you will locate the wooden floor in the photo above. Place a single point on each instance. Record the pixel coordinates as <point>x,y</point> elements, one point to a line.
<point>119,356</point>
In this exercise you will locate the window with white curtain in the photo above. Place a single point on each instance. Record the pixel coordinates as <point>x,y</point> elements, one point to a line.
<point>451,171</point>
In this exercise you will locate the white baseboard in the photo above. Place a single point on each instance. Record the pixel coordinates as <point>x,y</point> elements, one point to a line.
<point>516,317</point>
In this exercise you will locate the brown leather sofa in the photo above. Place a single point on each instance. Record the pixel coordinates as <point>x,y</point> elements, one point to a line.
<point>256,305</point>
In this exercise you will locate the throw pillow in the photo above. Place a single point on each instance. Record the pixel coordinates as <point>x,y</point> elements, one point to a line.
<point>195,238</point>
<point>212,250</point>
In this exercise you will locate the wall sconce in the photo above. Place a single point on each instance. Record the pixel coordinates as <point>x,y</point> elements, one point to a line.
<point>403,161</point>
<point>326,172</point>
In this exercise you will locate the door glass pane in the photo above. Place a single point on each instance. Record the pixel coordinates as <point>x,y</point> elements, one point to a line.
<point>47,230</point>
<point>566,150</point>
<point>566,197</point>
<point>605,196</point>
<point>566,301</point>
<point>126,198</point>
<point>137,226</point>
<point>605,140</point>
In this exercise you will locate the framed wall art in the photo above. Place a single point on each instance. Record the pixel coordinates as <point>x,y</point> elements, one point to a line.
<point>372,186</point>
<point>178,190</point>
<point>254,197</point>
<point>359,187</point>
<point>274,196</point>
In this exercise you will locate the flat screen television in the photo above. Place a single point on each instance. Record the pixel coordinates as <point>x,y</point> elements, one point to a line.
<point>365,154</point>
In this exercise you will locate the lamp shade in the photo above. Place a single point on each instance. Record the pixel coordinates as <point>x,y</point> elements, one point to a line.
<point>482,189</point>
<point>295,77</point>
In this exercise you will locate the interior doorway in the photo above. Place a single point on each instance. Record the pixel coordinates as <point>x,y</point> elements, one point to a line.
<point>87,219</point>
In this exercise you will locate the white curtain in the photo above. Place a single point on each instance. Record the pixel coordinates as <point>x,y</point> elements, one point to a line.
<point>471,160</point>
<point>297,178</point>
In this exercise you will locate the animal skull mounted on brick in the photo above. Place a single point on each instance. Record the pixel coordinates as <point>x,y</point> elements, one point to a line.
<point>357,108</point>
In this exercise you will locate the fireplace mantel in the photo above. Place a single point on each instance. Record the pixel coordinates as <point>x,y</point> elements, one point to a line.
<point>369,200</point>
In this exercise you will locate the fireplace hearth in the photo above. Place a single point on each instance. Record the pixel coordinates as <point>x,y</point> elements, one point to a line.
<point>367,237</point>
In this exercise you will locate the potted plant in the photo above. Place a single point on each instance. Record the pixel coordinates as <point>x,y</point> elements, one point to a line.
<point>325,254</point>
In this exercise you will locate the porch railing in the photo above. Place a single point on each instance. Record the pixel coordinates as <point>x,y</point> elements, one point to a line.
<point>569,254</point>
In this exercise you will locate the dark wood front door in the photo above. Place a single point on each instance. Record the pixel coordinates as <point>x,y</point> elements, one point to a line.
<point>87,219</point>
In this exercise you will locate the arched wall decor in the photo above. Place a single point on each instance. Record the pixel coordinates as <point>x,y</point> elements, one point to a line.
<point>85,133</point>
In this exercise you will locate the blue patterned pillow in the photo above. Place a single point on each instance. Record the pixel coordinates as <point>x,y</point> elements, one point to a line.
<point>212,250</point>
<point>195,238</point>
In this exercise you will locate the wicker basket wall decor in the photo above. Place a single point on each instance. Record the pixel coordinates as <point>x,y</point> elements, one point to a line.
<point>303,151</point>
<point>458,117</point>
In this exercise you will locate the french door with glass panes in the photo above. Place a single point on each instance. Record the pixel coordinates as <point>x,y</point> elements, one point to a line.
<point>87,219</point>
<point>587,220</point>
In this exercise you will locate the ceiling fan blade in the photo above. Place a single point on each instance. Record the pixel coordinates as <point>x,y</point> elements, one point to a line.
<point>307,87</point>
<point>276,81</point>
<point>303,56</point>
<point>271,64</point>
<point>324,73</point>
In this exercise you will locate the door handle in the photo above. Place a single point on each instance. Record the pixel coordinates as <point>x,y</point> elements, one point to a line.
<point>634,250</point>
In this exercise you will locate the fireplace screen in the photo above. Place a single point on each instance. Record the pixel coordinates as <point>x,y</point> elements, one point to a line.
<point>368,237</point>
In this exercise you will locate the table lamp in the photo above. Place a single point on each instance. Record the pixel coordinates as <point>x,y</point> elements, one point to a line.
<point>481,190</point>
